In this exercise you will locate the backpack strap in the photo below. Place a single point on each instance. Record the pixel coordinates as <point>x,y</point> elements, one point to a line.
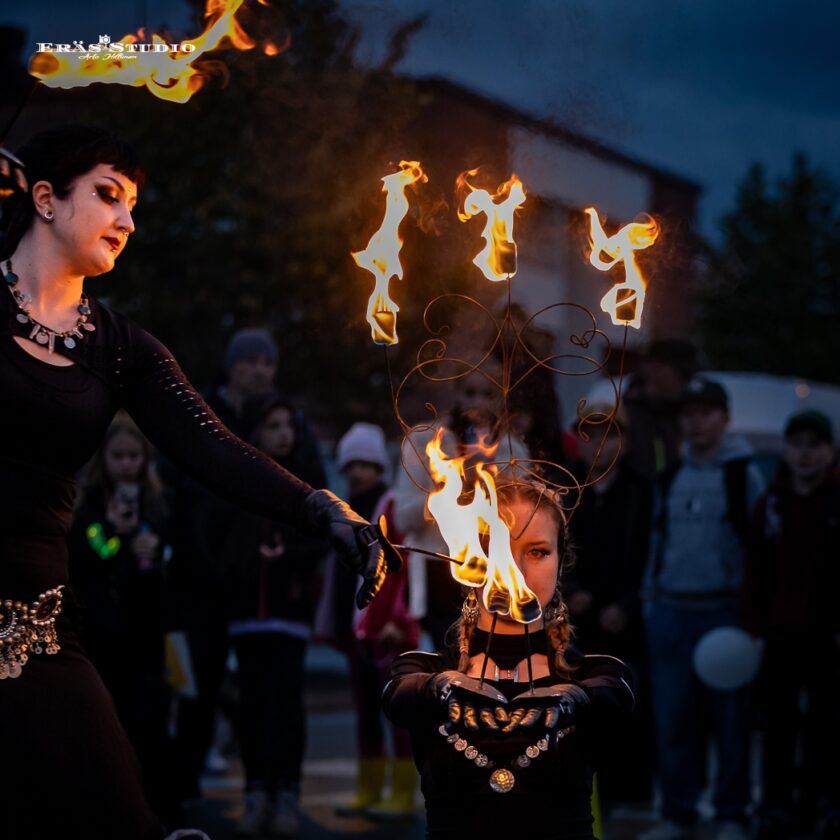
<point>660,523</point>
<point>737,509</point>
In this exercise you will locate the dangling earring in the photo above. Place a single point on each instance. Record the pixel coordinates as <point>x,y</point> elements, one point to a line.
<point>553,610</point>
<point>48,215</point>
<point>470,611</point>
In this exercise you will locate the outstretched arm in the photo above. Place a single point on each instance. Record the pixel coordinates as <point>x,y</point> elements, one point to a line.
<point>178,422</point>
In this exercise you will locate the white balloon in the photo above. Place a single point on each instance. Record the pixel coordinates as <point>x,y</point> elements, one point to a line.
<point>727,658</point>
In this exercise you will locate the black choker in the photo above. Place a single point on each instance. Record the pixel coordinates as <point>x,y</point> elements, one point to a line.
<point>507,650</point>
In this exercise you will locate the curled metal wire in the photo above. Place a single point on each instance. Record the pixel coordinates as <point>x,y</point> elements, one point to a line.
<point>588,353</point>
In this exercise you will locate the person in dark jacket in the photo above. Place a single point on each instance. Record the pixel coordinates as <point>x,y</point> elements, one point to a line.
<point>791,580</point>
<point>496,759</point>
<point>271,609</point>
<point>117,545</point>
<point>610,531</point>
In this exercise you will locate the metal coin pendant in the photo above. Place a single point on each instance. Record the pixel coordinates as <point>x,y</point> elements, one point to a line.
<point>470,753</point>
<point>42,338</point>
<point>502,780</point>
<point>532,751</point>
<point>461,745</point>
<point>22,319</point>
<point>69,342</point>
<point>523,761</point>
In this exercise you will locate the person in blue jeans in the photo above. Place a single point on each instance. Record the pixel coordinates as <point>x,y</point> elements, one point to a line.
<point>691,587</point>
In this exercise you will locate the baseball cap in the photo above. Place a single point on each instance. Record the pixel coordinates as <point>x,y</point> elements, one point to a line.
<point>705,391</point>
<point>810,421</point>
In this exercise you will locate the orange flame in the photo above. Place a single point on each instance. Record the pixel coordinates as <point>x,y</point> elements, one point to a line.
<point>497,260</point>
<point>467,528</point>
<point>168,74</point>
<point>625,302</point>
<point>382,255</point>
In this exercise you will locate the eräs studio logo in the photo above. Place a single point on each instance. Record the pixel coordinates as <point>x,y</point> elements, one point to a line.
<point>105,48</point>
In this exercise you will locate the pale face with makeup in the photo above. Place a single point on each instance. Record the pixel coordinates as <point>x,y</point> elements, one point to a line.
<point>91,225</point>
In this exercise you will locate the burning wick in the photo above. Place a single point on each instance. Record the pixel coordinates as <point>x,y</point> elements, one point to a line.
<point>497,260</point>
<point>382,255</point>
<point>624,302</point>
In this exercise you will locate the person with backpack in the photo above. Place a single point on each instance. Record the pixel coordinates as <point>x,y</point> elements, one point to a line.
<point>692,587</point>
<point>791,580</point>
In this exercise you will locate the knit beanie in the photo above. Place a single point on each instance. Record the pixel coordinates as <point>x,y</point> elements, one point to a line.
<point>362,442</point>
<point>249,343</point>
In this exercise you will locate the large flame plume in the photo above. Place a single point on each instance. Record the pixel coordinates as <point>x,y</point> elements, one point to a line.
<point>174,75</point>
<point>497,260</point>
<point>624,302</point>
<point>382,255</point>
<point>476,535</point>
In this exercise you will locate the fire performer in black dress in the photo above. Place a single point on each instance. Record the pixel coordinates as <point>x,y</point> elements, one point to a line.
<point>67,363</point>
<point>507,727</point>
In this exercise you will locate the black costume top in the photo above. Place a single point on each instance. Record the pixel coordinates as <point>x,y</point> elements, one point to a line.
<point>551,798</point>
<point>53,419</point>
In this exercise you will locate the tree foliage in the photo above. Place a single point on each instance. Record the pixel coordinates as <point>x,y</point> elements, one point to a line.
<point>258,189</point>
<point>773,300</point>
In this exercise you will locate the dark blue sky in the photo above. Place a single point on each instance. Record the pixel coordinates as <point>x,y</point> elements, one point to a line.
<point>700,87</point>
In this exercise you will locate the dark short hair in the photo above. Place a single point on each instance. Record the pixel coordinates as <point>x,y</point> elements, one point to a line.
<point>59,156</point>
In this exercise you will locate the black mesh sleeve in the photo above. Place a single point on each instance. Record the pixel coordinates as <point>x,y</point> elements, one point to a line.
<point>175,418</point>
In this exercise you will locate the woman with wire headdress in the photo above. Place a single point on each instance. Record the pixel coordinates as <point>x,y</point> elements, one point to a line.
<point>68,363</point>
<point>473,419</point>
<point>507,726</point>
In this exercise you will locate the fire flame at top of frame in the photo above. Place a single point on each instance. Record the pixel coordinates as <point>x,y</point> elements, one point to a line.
<point>169,71</point>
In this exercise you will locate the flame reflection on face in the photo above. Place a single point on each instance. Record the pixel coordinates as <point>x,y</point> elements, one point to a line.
<point>467,514</point>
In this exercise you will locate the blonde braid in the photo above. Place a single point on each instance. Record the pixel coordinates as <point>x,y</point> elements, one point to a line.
<point>560,633</point>
<point>466,625</point>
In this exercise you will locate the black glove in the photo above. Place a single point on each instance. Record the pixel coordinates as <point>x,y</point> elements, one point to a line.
<point>467,701</point>
<point>561,703</point>
<point>12,179</point>
<point>362,547</point>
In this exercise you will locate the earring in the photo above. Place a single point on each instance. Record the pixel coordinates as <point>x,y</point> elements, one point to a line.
<point>48,215</point>
<point>553,610</point>
<point>470,611</point>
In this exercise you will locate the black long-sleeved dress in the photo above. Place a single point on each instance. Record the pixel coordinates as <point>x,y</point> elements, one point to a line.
<point>551,798</point>
<point>66,769</point>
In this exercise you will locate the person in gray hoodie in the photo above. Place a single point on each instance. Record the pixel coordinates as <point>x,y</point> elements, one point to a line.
<point>691,587</point>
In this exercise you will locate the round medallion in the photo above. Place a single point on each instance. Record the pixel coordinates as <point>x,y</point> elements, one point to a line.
<point>88,326</point>
<point>23,319</point>
<point>481,760</point>
<point>543,744</point>
<point>470,753</point>
<point>532,751</point>
<point>69,342</point>
<point>461,745</point>
<point>451,739</point>
<point>523,761</point>
<point>502,780</point>
<point>42,338</point>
